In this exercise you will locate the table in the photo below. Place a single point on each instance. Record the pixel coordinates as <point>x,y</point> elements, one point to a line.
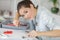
<point>16,35</point>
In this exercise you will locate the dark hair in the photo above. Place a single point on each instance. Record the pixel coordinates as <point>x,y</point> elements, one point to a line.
<point>24,3</point>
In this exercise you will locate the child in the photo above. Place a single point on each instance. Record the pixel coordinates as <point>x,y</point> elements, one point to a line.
<point>43,18</point>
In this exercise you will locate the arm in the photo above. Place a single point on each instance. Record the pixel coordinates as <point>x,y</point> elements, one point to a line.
<point>16,19</point>
<point>16,16</point>
<point>54,33</point>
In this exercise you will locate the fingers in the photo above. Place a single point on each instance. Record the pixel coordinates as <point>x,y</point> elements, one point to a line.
<point>32,34</point>
<point>16,22</point>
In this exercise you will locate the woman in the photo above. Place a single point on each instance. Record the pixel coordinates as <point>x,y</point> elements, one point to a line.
<point>45,23</point>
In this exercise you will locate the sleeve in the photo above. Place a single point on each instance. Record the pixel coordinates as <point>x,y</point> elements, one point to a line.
<point>45,21</point>
<point>56,27</point>
<point>57,22</point>
<point>51,23</point>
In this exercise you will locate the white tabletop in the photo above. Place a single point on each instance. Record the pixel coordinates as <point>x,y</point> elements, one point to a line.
<point>16,35</point>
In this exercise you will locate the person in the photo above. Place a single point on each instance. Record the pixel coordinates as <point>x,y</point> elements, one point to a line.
<point>45,25</point>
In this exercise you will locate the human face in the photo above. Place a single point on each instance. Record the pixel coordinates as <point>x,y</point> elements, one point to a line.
<point>27,13</point>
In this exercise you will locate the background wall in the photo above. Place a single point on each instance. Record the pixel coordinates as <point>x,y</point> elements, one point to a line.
<point>5,4</point>
<point>49,4</point>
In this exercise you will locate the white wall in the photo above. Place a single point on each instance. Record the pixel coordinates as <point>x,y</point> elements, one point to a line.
<point>8,5</point>
<point>48,4</point>
<point>5,4</point>
<point>13,7</point>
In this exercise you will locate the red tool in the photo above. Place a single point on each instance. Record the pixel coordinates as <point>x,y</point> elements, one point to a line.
<point>8,32</point>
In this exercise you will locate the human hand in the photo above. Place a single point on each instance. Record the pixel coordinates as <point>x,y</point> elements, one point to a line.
<point>16,22</point>
<point>33,34</point>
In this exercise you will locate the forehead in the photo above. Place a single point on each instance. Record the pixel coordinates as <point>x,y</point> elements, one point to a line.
<point>24,8</point>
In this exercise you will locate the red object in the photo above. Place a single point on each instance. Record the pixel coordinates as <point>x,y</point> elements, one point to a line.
<point>10,24</point>
<point>8,32</point>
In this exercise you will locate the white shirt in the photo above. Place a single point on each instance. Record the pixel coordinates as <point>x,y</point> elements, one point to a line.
<point>44,19</point>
